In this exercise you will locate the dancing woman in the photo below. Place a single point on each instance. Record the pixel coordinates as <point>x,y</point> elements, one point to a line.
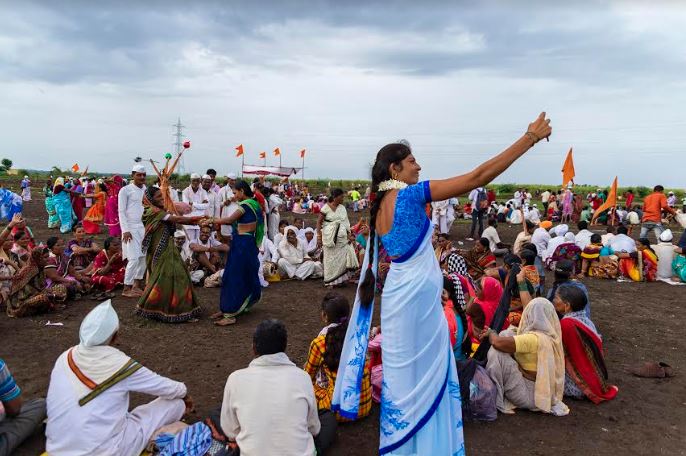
<point>241,288</point>
<point>420,399</point>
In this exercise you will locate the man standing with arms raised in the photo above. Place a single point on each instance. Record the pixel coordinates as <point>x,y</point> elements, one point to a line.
<point>133,231</point>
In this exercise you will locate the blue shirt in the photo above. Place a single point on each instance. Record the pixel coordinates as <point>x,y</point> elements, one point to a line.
<point>9,389</point>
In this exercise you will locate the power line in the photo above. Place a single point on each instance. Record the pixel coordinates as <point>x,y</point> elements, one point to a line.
<point>178,145</point>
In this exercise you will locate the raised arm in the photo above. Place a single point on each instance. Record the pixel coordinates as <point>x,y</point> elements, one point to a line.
<point>486,172</point>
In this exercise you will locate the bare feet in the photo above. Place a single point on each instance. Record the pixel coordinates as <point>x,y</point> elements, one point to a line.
<point>226,321</point>
<point>216,316</point>
<point>132,294</point>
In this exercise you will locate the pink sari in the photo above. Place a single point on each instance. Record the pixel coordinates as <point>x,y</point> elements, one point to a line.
<point>567,203</point>
<point>112,206</point>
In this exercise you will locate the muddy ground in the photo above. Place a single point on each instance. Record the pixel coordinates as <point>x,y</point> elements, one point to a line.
<point>639,322</point>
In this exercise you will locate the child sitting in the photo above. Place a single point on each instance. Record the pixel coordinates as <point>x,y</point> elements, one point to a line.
<point>591,254</point>
<point>325,354</point>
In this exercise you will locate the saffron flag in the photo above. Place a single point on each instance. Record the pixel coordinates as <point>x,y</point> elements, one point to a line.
<point>611,201</point>
<point>263,155</point>
<point>239,150</point>
<point>302,153</point>
<point>75,168</point>
<point>277,152</point>
<point>568,169</point>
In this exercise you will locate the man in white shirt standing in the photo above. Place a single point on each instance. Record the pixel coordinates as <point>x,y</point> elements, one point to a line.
<point>212,197</point>
<point>88,396</point>
<point>198,198</point>
<point>479,201</point>
<point>269,407</point>
<point>227,202</point>
<point>545,197</point>
<point>131,221</point>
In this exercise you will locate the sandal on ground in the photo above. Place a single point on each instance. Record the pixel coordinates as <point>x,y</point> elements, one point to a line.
<point>108,295</point>
<point>98,297</point>
<point>216,316</point>
<point>652,370</point>
<point>225,321</point>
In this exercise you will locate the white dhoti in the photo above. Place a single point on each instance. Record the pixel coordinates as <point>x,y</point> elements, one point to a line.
<point>132,251</point>
<point>143,421</point>
<point>301,271</point>
<point>196,276</point>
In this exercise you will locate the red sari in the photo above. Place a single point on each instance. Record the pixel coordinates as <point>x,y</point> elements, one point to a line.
<point>108,281</point>
<point>584,362</point>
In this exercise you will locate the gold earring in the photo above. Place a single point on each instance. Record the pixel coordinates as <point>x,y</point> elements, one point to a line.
<point>395,176</point>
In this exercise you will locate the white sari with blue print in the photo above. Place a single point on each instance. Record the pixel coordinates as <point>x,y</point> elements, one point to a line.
<point>421,410</point>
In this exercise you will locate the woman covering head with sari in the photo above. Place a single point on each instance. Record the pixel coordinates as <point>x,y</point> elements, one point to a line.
<point>334,234</point>
<point>62,204</point>
<point>111,216</point>
<point>77,200</point>
<point>96,213</point>
<point>30,294</point>
<point>169,294</point>
<point>585,370</point>
<point>639,266</point>
<point>421,409</point>
<point>53,218</point>
<point>241,288</point>
<point>528,366</point>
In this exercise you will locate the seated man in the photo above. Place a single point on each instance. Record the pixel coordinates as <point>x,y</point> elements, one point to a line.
<point>491,233</point>
<point>294,260</point>
<point>207,251</point>
<point>18,419</point>
<point>88,396</point>
<point>269,407</point>
<point>585,371</point>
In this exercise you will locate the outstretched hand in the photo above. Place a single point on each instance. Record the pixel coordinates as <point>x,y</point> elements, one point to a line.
<point>540,128</point>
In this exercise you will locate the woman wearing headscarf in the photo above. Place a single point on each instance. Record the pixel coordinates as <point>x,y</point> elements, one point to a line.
<point>481,311</point>
<point>294,262</point>
<point>29,294</point>
<point>169,294</point>
<point>241,287</point>
<point>62,203</point>
<point>528,366</point>
<point>333,233</point>
<point>53,218</point>
<point>112,205</point>
<point>309,237</point>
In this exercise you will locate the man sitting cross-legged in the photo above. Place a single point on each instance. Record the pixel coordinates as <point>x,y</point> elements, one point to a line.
<point>88,396</point>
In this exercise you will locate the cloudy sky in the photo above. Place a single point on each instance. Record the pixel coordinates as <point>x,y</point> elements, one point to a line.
<point>96,84</point>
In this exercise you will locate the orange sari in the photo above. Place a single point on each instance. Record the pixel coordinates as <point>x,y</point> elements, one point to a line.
<point>96,214</point>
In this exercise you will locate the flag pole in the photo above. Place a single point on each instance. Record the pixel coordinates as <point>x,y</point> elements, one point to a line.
<point>242,164</point>
<point>303,170</point>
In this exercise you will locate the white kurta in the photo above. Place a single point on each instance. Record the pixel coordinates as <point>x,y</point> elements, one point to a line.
<point>226,195</point>
<point>131,220</point>
<point>274,216</point>
<point>104,426</point>
<point>296,263</point>
<point>665,256</point>
<point>200,202</point>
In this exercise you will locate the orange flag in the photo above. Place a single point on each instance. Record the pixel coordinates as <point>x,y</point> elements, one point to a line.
<point>302,153</point>
<point>568,169</point>
<point>75,168</point>
<point>277,152</point>
<point>239,150</point>
<point>611,201</point>
<point>263,154</point>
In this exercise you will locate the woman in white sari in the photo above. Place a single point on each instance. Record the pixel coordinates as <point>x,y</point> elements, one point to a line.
<point>420,397</point>
<point>294,262</point>
<point>273,203</point>
<point>333,228</point>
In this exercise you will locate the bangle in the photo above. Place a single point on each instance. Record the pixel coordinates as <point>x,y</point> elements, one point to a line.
<point>534,138</point>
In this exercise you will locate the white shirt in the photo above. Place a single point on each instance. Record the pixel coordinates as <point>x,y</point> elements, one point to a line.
<point>623,243</point>
<point>97,427</point>
<point>533,215</point>
<point>491,234</point>
<point>540,239</point>
<point>131,208</point>
<point>607,238</point>
<point>269,408</point>
<point>197,200</point>
<point>211,242</point>
<point>583,238</point>
<point>545,196</point>
<point>213,204</point>
<point>474,197</point>
<point>268,252</point>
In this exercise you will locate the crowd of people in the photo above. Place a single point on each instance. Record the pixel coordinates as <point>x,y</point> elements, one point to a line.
<point>518,342</point>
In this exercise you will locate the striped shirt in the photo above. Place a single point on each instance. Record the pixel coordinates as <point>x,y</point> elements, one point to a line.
<point>9,389</point>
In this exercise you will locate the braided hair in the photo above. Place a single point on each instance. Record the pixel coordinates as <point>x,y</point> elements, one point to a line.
<point>337,310</point>
<point>390,154</point>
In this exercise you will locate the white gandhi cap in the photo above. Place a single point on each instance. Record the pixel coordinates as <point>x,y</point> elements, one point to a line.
<point>99,325</point>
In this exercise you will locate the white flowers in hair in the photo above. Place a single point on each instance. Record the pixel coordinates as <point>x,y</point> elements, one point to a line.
<point>391,184</point>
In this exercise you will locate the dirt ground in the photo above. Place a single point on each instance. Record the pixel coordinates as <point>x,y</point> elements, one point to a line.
<point>639,322</point>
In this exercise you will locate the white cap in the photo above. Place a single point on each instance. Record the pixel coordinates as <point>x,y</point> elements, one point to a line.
<point>666,236</point>
<point>206,176</point>
<point>231,176</point>
<point>99,325</point>
<point>26,177</point>
<point>561,230</point>
<point>100,181</point>
<point>195,176</point>
<point>179,234</point>
<point>138,168</point>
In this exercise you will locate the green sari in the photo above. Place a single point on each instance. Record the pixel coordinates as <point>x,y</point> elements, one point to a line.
<point>169,294</point>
